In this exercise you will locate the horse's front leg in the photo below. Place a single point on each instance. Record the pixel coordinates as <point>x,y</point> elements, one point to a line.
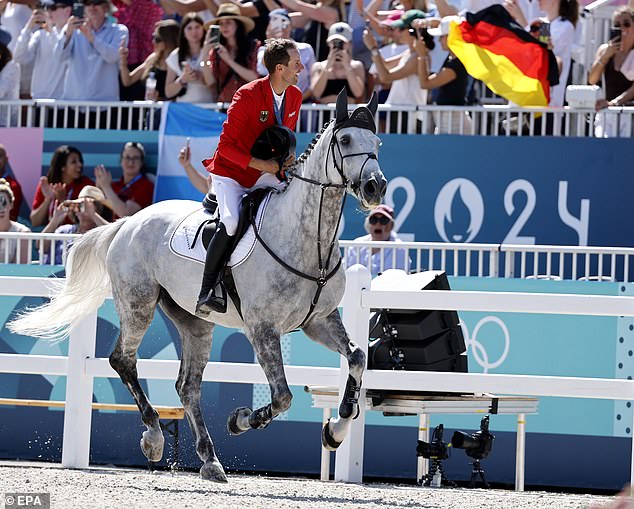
<point>331,333</point>
<point>266,343</point>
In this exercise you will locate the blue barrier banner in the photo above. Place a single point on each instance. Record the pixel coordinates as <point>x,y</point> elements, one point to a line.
<point>537,190</point>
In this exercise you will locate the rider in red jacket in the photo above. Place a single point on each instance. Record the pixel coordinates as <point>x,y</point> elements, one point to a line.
<point>257,105</point>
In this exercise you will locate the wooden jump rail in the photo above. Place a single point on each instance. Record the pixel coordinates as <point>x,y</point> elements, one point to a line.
<point>171,414</point>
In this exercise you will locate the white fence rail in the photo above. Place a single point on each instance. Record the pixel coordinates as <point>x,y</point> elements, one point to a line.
<point>486,120</point>
<point>456,259</point>
<point>81,366</point>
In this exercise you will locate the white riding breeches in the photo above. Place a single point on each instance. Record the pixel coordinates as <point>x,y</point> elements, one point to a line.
<point>229,195</point>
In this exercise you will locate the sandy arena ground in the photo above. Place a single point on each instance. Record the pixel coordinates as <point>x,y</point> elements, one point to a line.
<point>135,489</point>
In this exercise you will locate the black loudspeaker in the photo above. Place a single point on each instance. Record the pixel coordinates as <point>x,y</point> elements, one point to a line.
<point>429,340</point>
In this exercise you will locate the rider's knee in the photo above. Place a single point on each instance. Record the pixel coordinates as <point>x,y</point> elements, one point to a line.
<point>231,225</point>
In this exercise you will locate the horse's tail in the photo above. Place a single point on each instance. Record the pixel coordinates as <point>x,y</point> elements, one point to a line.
<point>85,288</point>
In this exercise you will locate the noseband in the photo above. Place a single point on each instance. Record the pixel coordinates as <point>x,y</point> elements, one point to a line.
<point>324,275</point>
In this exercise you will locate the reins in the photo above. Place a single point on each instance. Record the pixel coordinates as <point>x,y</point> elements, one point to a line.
<point>324,276</point>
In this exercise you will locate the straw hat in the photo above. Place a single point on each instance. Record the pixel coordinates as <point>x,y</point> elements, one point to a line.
<point>95,193</point>
<point>231,11</point>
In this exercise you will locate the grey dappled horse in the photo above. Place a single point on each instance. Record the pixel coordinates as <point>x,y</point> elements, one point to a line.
<point>278,285</point>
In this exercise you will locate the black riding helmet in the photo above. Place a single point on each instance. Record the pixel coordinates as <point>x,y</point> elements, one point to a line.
<point>275,142</point>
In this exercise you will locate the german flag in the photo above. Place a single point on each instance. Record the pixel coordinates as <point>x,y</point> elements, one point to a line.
<point>496,50</point>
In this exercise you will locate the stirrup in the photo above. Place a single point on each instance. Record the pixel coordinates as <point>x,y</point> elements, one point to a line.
<point>212,302</point>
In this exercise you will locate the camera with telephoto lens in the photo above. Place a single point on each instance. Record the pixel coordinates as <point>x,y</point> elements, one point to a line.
<point>476,445</point>
<point>436,448</point>
<point>424,36</point>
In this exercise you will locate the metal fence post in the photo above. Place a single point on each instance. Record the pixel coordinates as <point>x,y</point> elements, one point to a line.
<point>79,389</point>
<point>349,458</point>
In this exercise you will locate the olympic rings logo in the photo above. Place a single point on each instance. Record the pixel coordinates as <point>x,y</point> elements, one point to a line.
<point>477,348</point>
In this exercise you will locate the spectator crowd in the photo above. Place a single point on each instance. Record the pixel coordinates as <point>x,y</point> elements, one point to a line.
<point>204,50</point>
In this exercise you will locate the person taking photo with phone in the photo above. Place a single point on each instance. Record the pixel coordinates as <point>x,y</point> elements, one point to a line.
<point>339,70</point>
<point>91,48</point>
<point>557,31</point>
<point>164,41</point>
<point>610,60</point>
<point>185,64</point>
<point>39,44</point>
<point>400,71</point>
<point>233,57</point>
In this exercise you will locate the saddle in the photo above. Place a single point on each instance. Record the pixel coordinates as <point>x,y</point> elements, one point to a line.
<point>248,210</point>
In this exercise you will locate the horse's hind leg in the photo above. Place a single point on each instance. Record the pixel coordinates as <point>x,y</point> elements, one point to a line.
<point>135,305</point>
<point>266,343</point>
<point>196,344</point>
<point>331,333</point>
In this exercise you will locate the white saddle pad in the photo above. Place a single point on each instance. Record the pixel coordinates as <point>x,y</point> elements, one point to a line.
<point>182,240</point>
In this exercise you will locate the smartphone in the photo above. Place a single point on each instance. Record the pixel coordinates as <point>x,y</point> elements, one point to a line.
<point>544,32</point>
<point>214,35</point>
<point>337,44</point>
<point>615,34</point>
<point>187,143</point>
<point>78,10</point>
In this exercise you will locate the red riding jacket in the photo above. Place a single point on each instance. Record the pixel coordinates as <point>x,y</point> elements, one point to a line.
<point>251,112</point>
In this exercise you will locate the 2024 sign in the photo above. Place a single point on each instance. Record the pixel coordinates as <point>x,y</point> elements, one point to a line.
<point>471,198</point>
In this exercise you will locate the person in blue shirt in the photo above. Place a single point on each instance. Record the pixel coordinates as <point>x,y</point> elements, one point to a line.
<point>379,224</point>
<point>91,47</point>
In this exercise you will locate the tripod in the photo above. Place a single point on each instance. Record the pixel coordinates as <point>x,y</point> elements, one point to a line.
<point>477,471</point>
<point>436,468</point>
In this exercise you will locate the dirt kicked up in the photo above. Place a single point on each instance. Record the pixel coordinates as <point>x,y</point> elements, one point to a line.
<point>136,489</point>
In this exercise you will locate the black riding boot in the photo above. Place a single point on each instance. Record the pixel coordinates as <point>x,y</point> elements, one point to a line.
<point>217,254</point>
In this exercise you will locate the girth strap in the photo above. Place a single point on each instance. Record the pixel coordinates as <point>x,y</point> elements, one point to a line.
<point>320,280</point>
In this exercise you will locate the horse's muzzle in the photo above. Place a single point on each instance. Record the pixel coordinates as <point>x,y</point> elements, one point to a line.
<point>373,189</point>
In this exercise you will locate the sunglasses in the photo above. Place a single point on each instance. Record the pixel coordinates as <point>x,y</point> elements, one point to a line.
<point>625,24</point>
<point>156,39</point>
<point>379,219</point>
<point>132,159</point>
<point>4,201</point>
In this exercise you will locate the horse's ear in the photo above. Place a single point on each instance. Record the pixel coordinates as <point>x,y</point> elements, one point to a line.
<point>341,114</point>
<point>373,104</point>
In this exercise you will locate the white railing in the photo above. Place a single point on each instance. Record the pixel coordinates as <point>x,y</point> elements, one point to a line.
<point>34,248</point>
<point>486,120</point>
<point>504,260</point>
<point>81,366</point>
<point>457,259</point>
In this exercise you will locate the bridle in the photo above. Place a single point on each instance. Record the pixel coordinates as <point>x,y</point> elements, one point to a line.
<point>324,276</point>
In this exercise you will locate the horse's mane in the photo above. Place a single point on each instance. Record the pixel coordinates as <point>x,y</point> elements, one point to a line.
<point>304,155</point>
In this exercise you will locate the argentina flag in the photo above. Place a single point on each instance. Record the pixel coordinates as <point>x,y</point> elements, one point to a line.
<point>180,121</point>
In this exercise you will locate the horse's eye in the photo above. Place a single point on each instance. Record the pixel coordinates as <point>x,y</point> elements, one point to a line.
<point>345,139</point>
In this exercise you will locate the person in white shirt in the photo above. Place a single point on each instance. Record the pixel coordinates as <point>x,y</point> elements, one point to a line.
<point>379,225</point>
<point>40,44</point>
<point>9,79</point>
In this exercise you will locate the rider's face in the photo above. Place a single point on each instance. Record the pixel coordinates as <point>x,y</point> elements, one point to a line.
<point>290,72</point>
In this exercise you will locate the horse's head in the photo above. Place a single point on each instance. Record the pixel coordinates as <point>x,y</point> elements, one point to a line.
<point>354,147</point>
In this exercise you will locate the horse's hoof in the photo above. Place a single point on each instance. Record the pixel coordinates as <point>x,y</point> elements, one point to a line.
<point>327,439</point>
<point>213,471</point>
<point>238,421</point>
<point>152,443</point>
